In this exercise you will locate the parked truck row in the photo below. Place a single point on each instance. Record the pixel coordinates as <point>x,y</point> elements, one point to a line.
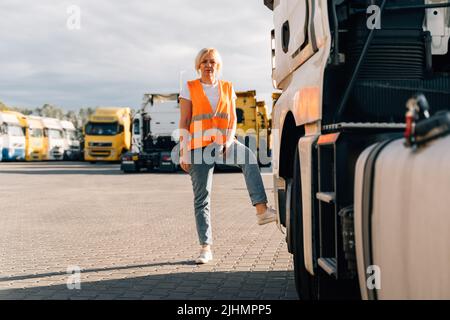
<point>154,144</point>
<point>33,138</point>
<point>105,137</point>
<point>141,140</point>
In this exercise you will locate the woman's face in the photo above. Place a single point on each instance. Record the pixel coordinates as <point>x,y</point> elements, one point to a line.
<point>209,65</point>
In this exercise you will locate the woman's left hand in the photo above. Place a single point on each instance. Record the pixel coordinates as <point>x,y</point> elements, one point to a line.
<point>226,147</point>
<point>224,151</point>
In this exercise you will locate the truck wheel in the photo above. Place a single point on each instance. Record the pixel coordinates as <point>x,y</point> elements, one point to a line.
<point>305,283</point>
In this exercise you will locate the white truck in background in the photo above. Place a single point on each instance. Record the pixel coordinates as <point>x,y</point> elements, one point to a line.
<point>72,149</point>
<point>153,128</point>
<point>53,138</point>
<point>12,137</point>
<point>361,183</point>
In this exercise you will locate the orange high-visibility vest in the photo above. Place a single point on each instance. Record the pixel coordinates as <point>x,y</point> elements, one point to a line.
<point>208,126</point>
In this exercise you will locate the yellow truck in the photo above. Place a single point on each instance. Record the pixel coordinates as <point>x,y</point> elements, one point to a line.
<point>107,135</point>
<point>253,127</point>
<point>245,111</point>
<point>262,126</point>
<point>34,136</point>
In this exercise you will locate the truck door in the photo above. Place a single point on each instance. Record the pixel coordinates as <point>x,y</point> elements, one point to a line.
<point>298,33</point>
<point>290,36</point>
<point>136,138</point>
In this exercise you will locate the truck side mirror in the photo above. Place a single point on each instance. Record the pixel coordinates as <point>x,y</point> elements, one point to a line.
<point>136,127</point>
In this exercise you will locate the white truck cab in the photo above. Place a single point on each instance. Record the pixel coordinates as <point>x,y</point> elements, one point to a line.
<point>153,134</point>
<point>54,138</point>
<point>12,138</point>
<point>71,143</point>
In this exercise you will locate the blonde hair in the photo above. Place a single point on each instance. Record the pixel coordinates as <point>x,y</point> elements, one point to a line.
<point>205,51</point>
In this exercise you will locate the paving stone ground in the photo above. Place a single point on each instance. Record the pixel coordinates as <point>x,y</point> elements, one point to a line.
<point>132,236</point>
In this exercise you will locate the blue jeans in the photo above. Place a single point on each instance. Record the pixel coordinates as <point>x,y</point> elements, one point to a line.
<point>201,172</point>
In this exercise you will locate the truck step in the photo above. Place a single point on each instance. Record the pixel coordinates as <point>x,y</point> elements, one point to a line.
<point>327,197</point>
<point>328,265</point>
<point>364,125</point>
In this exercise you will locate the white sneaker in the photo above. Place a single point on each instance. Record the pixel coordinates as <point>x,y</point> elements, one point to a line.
<point>269,216</point>
<point>204,257</point>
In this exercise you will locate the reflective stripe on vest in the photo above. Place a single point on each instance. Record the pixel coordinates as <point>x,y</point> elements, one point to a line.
<point>208,126</point>
<point>210,116</point>
<point>209,133</point>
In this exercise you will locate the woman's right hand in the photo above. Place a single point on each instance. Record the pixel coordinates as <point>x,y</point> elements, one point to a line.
<point>185,121</point>
<point>185,165</point>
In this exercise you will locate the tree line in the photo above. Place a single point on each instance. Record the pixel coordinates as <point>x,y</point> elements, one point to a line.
<point>78,118</point>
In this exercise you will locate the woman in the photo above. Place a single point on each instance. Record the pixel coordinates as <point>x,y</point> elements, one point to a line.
<point>208,126</point>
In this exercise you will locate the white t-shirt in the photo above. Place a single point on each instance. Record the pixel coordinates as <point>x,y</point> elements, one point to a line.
<point>211,92</point>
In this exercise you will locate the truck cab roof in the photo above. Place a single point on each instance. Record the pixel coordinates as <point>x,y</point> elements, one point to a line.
<point>35,123</point>
<point>110,114</point>
<point>163,111</point>
<point>68,125</point>
<point>51,123</point>
<point>154,98</point>
<point>8,117</point>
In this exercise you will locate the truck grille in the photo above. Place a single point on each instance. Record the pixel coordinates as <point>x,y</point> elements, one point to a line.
<point>391,56</point>
<point>100,153</point>
<point>100,144</point>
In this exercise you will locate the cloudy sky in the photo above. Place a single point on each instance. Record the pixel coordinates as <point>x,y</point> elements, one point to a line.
<point>126,48</point>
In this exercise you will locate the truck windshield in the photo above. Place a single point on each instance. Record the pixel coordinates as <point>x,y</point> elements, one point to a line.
<point>36,133</point>
<point>102,129</point>
<point>70,135</point>
<point>15,131</point>
<point>55,134</point>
